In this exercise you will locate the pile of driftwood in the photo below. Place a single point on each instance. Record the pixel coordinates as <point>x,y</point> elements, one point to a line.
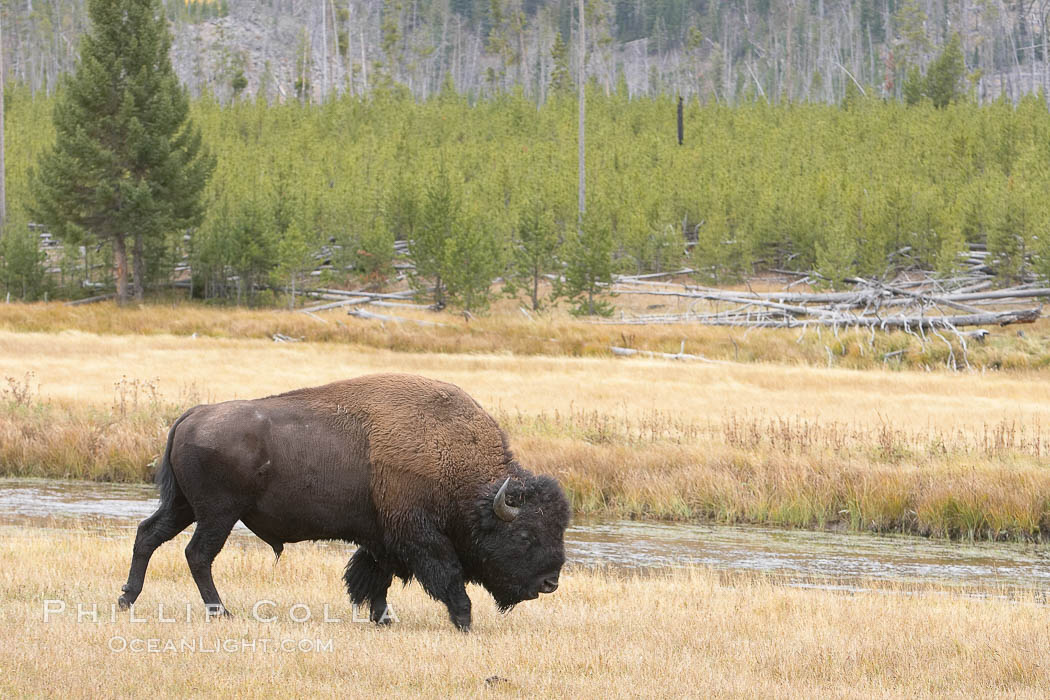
<point>925,303</point>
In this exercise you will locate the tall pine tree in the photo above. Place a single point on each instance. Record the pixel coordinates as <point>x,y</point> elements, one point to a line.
<point>127,163</point>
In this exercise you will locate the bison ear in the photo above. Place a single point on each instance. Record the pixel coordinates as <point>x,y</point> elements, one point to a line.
<point>499,504</point>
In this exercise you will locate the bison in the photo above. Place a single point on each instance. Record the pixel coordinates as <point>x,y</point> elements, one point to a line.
<point>410,469</point>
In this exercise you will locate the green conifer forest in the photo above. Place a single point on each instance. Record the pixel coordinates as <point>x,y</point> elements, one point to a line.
<point>859,188</point>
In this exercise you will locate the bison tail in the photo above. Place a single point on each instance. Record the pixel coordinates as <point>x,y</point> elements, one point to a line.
<point>170,491</point>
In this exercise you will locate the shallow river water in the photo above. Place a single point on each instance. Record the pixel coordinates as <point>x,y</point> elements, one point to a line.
<point>798,557</point>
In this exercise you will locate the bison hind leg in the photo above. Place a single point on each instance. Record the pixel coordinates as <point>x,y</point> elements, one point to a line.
<point>208,539</point>
<point>171,518</point>
<point>368,580</point>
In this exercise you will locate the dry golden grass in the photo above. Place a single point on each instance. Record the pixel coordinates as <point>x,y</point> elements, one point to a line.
<point>688,633</point>
<point>87,368</point>
<point>554,333</point>
<point>960,455</point>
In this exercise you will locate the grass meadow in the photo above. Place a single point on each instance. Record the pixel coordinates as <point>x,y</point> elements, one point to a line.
<point>553,333</point>
<point>684,632</point>
<point>955,454</point>
<point>780,428</point>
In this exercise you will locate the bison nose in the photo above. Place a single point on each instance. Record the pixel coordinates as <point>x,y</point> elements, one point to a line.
<point>549,585</point>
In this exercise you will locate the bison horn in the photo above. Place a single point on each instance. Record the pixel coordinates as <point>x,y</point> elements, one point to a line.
<point>499,504</point>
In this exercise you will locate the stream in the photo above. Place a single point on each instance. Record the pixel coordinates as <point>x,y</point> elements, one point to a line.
<point>832,560</point>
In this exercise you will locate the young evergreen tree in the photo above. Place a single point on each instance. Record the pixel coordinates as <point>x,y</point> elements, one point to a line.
<point>533,250</point>
<point>944,77</point>
<point>127,163</point>
<point>836,254</point>
<point>295,254</point>
<point>401,209</point>
<point>439,221</point>
<point>472,259</point>
<point>22,271</point>
<point>374,253</point>
<point>561,80</point>
<point>589,267</point>
<point>914,86</point>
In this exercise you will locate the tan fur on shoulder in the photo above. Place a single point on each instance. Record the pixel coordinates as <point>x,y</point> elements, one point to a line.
<point>426,438</point>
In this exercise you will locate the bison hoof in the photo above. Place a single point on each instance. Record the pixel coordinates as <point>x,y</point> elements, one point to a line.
<point>123,603</point>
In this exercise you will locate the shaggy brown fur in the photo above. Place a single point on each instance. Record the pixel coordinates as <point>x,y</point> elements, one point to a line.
<point>426,438</point>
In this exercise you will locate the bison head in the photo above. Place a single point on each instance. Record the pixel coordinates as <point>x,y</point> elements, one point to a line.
<point>518,539</point>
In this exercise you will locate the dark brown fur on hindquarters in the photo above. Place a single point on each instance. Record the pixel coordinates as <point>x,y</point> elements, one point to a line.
<point>409,468</point>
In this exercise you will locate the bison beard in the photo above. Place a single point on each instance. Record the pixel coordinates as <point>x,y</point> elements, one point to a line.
<point>412,470</point>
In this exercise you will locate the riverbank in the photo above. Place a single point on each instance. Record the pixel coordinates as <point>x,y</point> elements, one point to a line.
<point>946,455</point>
<point>599,635</point>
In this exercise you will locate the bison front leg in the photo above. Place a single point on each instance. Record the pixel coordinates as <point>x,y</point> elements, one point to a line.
<point>368,580</point>
<point>434,562</point>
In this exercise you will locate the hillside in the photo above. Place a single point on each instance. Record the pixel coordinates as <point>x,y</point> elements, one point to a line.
<point>780,49</point>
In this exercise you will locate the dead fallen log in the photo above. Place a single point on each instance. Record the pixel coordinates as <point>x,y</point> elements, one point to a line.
<point>908,323</point>
<point>1017,293</point>
<point>397,304</point>
<point>336,304</point>
<point>969,285</point>
<point>855,298</point>
<point>91,300</point>
<point>406,294</point>
<point>360,313</point>
<point>745,298</point>
<point>315,317</point>
<point>628,352</point>
<point>943,299</point>
<point>654,275</point>
<point>350,298</point>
